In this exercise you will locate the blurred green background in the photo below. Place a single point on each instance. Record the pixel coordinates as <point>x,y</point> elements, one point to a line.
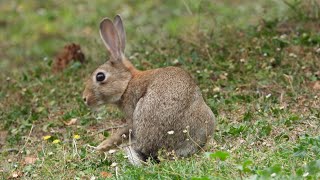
<point>256,62</point>
<point>33,31</point>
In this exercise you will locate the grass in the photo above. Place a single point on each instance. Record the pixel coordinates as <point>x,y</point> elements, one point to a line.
<point>257,64</point>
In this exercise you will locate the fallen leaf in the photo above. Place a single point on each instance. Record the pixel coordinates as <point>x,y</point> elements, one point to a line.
<point>71,122</point>
<point>105,174</point>
<point>71,52</point>
<point>223,76</point>
<point>30,160</point>
<point>16,174</point>
<point>316,85</point>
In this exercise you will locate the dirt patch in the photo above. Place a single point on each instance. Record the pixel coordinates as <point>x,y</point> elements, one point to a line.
<point>315,85</point>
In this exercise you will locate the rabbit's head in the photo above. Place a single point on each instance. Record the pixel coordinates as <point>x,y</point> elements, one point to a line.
<point>109,81</point>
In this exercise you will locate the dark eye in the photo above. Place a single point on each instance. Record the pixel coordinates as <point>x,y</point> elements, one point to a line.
<point>100,77</point>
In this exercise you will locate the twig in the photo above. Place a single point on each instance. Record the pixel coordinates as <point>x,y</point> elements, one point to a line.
<point>187,7</point>
<point>75,148</point>
<point>194,140</point>
<point>105,155</point>
<point>26,140</point>
<point>9,150</point>
<point>117,173</point>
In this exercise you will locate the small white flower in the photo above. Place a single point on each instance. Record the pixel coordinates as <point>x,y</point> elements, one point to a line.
<point>170,132</point>
<point>273,175</point>
<point>185,131</point>
<point>176,61</point>
<point>267,96</point>
<point>305,174</point>
<point>114,164</point>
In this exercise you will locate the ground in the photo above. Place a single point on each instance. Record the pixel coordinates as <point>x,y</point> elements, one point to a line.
<point>256,62</point>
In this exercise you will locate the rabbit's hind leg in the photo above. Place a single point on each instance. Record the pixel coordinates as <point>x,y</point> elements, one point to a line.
<point>138,158</point>
<point>134,157</point>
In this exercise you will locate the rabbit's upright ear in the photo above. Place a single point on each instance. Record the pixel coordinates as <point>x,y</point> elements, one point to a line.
<point>121,31</point>
<point>111,39</point>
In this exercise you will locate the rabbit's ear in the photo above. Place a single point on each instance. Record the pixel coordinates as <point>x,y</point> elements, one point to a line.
<point>111,39</point>
<point>121,31</point>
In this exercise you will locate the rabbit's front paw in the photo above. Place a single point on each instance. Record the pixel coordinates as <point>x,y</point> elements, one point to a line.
<point>105,145</point>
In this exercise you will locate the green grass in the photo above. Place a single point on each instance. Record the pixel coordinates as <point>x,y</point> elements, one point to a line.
<point>256,62</point>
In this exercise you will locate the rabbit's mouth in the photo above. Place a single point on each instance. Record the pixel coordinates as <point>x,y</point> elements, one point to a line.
<point>94,103</point>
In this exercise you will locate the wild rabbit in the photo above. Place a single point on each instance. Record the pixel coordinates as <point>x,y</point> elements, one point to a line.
<point>164,108</point>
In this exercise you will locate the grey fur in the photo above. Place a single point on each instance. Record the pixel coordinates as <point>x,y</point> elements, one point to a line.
<point>164,107</point>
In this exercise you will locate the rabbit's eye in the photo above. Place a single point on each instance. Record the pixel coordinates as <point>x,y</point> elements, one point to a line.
<point>100,77</point>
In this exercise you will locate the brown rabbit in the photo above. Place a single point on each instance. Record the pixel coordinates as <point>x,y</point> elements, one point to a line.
<point>164,108</point>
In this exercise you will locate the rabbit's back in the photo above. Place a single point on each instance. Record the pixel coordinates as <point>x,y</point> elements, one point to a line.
<point>171,105</point>
<point>164,107</point>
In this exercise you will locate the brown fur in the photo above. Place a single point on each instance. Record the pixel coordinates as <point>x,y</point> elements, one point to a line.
<point>164,107</point>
